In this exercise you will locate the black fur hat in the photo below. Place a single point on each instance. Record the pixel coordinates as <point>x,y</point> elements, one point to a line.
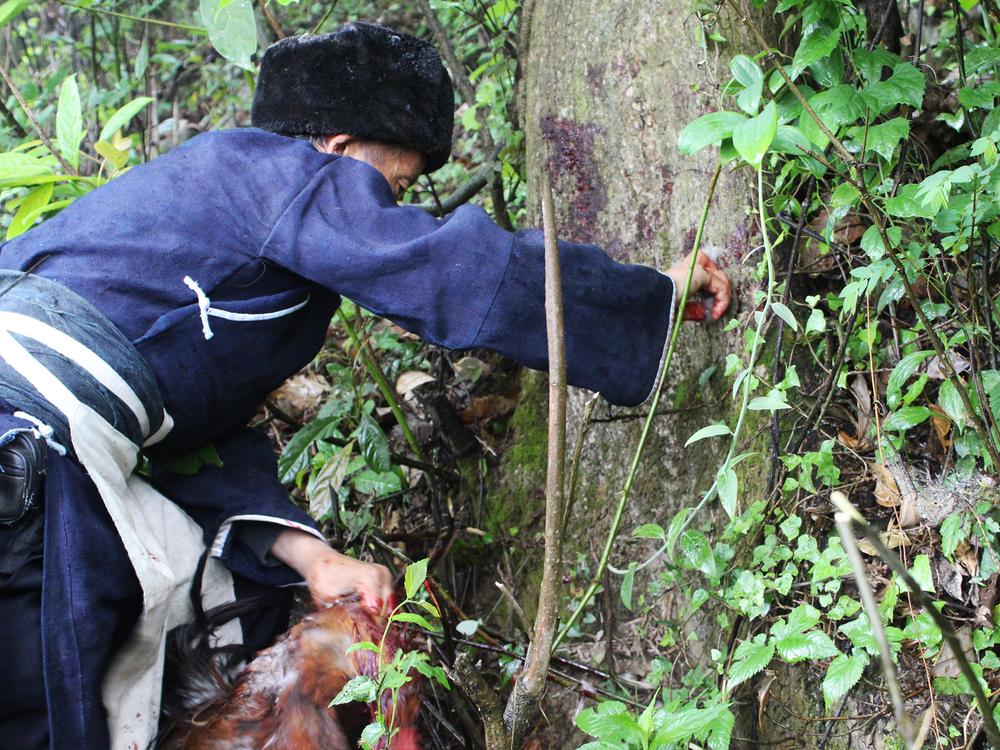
<point>364,80</point>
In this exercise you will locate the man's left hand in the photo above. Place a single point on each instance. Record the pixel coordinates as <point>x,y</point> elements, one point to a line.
<point>708,280</point>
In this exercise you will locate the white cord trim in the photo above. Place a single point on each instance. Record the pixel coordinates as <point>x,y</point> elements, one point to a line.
<point>222,538</point>
<point>165,427</point>
<point>205,310</point>
<point>69,347</point>
<point>203,305</point>
<point>244,317</point>
<point>43,431</point>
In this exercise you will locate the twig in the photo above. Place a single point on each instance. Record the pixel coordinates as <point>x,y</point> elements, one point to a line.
<point>779,366</point>
<point>324,17</point>
<point>528,689</point>
<point>903,720</point>
<point>574,467</point>
<point>140,19</point>
<point>272,21</point>
<point>467,189</point>
<point>859,524</point>
<point>515,605</point>
<point>34,121</point>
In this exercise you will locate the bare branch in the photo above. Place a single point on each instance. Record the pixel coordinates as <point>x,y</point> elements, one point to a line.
<point>528,689</point>
<point>34,121</point>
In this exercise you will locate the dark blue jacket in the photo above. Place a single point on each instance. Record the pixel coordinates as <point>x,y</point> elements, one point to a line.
<point>260,224</point>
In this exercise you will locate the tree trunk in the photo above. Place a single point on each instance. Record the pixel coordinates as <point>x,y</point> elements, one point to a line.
<point>605,89</point>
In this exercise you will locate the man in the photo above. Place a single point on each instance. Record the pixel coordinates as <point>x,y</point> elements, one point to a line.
<point>157,312</point>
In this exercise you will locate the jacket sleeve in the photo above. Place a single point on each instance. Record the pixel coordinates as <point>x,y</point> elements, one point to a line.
<point>236,503</point>
<point>463,282</point>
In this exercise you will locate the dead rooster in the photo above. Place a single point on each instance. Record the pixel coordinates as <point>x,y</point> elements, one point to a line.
<point>280,701</point>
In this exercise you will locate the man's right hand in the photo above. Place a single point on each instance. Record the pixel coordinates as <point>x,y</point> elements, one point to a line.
<point>331,575</point>
<point>708,279</point>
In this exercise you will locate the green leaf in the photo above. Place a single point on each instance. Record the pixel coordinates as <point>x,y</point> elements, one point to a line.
<point>415,619</point>
<point>727,484</point>
<point>790,527</point>
<point>749,75</point>
<point>954,531</point>
<point>373,444</point>
<point>882,138</point>
<point>416,574</point>
<point>231,29</point>
<point>790,140</point>
<point>786,315</point>
<point>361,688</point>
<point>813,645</point>
<point>16,166</point>
<point>649,531</point>
<point>376,483</point>
<point>905,86</point>
<point>837,106</point>
<point>29,210</point>
<point>10,9</point>
<point>712,430</point>
<point>698,552</point>
<point>816,322</point>
<point>675,527</point>
<point>191,462</point>
<point>708,130</point>
<point>745,70</point>
<point>901,373</point>
<point>845,194</point>
<point>749,658</point>
<point>611,723</point>
<point>773,401</point>
<point>905,204</point>
<point>122,116</point>
<point>798,621</point>
<point>907,417</point>
<point>950,400</point>
<point>753,137</point>
<point>815,46</point>
<point>69,121</point>
<point>921,572</point>
<point>843,674</point>
<point>628,581</point>
<point>371,734</point>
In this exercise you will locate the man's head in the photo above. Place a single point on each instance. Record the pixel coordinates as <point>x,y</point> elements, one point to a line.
<point>400,165</point>
<point>364,91</point>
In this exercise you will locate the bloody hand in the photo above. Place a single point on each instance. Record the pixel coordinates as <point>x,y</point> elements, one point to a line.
<point>708,280</point>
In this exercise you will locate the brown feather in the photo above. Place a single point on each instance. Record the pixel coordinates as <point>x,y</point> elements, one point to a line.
<point>280,700</point>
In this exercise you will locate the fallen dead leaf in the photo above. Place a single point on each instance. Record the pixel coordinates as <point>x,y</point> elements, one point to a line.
<point>470,369</point>
<point>300,393</point>
<point>891,539</point>
<point>966,556</point>
<point>487,407</point>
<point>410,380</point>
<point>942,426</point>
<point>887,492</point>
<point>949,576</point>
<point>763,694</point>
<point>946,664</point>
